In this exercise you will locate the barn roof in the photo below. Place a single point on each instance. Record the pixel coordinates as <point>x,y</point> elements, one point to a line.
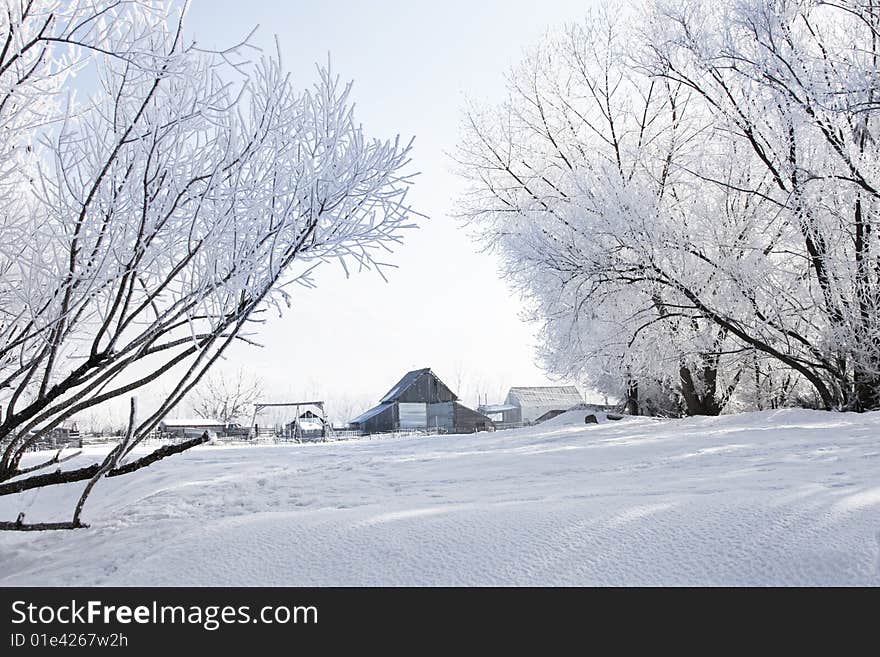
<point>366,415</point>
<point>408,379</point>
<point>563,396</point>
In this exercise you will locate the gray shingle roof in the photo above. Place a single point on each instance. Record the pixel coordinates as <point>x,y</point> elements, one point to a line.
<point>366,415</point>
<point>408,379</point>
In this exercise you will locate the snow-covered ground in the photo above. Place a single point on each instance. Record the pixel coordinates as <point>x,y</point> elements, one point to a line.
<point>784,497</point>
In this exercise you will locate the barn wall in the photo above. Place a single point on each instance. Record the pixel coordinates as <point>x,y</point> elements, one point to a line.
<point>384,421</point>
<point>441,416</point>
<point>513,416</point>
<point>468,420</point>
<point>427,388</point>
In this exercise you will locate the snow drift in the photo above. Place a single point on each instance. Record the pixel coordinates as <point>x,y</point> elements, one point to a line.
<point>782,497</point>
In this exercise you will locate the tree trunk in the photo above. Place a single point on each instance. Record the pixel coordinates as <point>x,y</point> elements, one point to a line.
<point>696,403</point>
<point>867,391</point>
<point>632,398</point>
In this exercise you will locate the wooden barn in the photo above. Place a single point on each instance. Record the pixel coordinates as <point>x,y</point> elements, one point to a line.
<point>420,400</point>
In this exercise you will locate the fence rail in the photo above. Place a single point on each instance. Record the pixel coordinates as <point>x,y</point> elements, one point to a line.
<point>156,438</point>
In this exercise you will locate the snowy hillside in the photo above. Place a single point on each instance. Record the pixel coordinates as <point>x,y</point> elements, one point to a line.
<point>785,497</point>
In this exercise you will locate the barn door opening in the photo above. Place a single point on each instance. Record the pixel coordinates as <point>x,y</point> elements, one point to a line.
<point>413,416</point>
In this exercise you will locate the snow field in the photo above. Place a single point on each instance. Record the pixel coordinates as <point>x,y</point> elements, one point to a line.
<point>778,498</point>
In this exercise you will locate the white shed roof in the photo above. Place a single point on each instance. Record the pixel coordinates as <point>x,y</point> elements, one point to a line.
<point>562,397</point>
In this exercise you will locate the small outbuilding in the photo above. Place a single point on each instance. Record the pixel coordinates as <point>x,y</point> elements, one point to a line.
<point>420,400</point>
<point>528,404</point>
<point>309,426</point>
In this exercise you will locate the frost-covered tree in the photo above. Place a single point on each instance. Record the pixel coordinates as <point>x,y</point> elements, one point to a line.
<point>794,85</point>
<point>146,221</point>
<point>572,180</point>
<point>226,397</point>
<point>687,195</point>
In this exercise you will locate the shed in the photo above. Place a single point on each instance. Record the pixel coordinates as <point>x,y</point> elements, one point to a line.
<point>310,425</point>
<point>528,403</point>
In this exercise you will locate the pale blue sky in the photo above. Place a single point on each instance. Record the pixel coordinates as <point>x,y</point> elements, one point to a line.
<point>413,62</point>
